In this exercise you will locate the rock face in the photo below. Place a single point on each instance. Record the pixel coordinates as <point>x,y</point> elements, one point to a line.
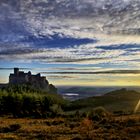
<point>37,81</point>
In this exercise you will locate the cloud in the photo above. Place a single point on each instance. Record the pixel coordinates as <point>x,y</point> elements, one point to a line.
<point>78,34</point>
<point>98,72</point>
<point>84,54</point>
<point>61,77</point>
<point>13,68</point>
<point>69,32</point>
<point>75,68</point>
<point>127,47</point>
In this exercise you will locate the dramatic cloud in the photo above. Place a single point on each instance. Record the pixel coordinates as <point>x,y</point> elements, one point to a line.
<point>103,33</point>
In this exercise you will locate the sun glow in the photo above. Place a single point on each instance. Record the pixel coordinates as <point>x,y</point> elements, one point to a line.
<point>137,107</point>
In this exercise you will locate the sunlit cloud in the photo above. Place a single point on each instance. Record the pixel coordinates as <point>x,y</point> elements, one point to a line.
<point>68,32</point>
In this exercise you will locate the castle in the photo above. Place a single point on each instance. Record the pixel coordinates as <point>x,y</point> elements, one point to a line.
<point>19,77</point>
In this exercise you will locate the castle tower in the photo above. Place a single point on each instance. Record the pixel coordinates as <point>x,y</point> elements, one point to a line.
<point>16,71</point>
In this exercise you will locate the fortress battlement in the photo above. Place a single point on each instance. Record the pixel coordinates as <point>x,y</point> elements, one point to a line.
<point>19,77</point>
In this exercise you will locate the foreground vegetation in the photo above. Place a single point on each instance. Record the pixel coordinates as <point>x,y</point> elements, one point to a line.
<point>71,128</point>
<point>28,113</point>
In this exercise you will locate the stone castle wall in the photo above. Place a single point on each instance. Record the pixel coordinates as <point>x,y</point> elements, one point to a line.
<point>19,77</point>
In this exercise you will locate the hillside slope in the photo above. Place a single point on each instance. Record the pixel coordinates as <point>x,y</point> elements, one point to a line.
<point>119,100</point>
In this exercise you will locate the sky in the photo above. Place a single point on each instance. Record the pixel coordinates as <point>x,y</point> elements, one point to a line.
<point>72,42</point>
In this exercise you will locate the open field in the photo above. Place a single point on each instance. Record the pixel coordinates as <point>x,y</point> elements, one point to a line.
<point>72,128</point>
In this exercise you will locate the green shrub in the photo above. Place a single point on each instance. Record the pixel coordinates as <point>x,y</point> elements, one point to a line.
<point>98,114</point>
<point>56,110</point>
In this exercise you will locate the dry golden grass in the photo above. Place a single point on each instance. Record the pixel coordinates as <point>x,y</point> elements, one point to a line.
<point>117,128</point>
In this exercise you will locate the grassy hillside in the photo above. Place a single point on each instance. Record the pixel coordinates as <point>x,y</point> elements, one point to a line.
<point>119,100</point>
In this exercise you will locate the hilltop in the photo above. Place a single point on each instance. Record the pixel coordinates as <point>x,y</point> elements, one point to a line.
<point>28,81</point>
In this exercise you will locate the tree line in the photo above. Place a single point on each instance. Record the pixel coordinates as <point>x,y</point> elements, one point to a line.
<point>24,101</point>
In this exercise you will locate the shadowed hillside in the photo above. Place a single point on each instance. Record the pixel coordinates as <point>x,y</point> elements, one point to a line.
<point>79,92</point>
<point>119,100</point>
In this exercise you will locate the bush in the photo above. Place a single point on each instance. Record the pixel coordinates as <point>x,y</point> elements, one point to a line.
<point>98,114</point>
<point>14,127</point>
<point>56,110</point>
<point>11,128</point>
<point>131,122</point>
<point>77,138</point>
<point>86,128</point>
